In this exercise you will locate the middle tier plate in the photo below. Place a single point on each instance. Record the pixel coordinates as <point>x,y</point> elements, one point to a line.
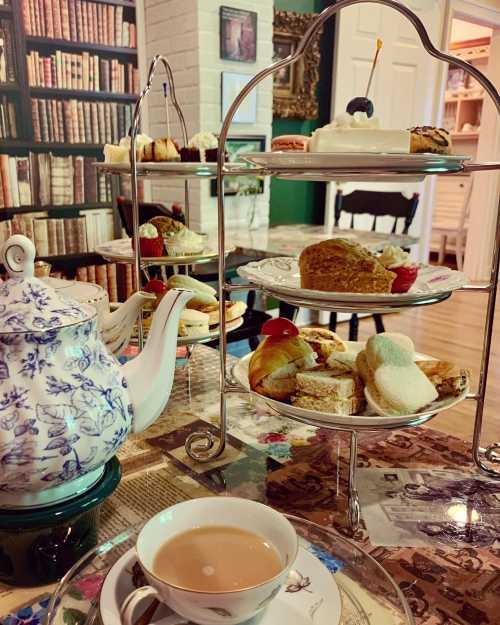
<point>366,421</point>
<point>120,251</point>
<point>280,277</point>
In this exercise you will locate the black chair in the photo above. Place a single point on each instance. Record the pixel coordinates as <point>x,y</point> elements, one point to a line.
<point>253,319</point>
<point>377,204</point>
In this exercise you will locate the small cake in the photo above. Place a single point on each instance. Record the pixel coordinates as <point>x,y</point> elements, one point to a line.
<point>343,266</point>
<point>207,145</point>
<point>429,139</point>
<point>359,133</point>
<point>160,150</point>
<point>398,261</point>
<point>190,155</point>
<point>150,242</point>
<point>290,143</point>
<point>121,153</point>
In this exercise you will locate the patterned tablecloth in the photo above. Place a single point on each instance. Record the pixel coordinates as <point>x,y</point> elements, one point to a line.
<point>290,240</point>
<point>455,580</point>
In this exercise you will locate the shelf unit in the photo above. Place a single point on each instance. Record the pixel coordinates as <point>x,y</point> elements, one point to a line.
<point>204,446</point>
<point>21,93</point>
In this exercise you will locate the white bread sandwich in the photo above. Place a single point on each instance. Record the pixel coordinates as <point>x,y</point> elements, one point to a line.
<point>322,390</point>
<point>274,365</point>
<point>193,323</point>
<point>342,362</point>
<point>324,342</point>
<point>394,383</point>
<point>449,379</point>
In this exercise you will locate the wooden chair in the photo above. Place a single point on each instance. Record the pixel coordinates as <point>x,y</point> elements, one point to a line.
<point>450,223</point>
<point>377,204</point>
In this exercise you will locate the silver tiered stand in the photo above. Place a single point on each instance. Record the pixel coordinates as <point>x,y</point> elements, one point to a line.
<point>203,446</point>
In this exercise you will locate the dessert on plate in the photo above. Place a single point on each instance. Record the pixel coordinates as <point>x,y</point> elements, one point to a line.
<point>207,145</point>
<point>398,261</point>
<point>343,266</point>
<point>160,150</point>
<point>178,238</point>
<point>429,139</point>
<point>150,241</point>
<point>193,323</point>
<point>290,143</point>
<point>165,224</point>
<point>449,379</point>
<point>324,342</point>
<point>121,153</point>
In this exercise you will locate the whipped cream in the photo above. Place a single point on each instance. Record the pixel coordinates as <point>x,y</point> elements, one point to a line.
<point>393,257</point>
<point>148,231</point>
<point>203,141</point>
<point>358,120</point>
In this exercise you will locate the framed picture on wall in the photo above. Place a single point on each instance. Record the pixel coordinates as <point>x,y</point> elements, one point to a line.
<point>237,146</point>
<point>231,85</point>
<point>238,35</point>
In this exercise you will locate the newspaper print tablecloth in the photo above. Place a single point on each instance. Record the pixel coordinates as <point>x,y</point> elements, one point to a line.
<point>302,470</point>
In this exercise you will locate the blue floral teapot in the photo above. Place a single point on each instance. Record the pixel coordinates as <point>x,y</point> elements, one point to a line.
<point>66,404</point>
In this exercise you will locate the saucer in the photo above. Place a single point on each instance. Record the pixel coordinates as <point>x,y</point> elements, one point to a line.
<point>311,596</point>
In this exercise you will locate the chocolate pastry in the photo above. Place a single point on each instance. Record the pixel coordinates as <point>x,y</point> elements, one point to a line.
<point>429,139</point>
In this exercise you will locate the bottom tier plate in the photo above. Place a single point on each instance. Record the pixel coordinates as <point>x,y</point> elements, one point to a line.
<point>366,421</point>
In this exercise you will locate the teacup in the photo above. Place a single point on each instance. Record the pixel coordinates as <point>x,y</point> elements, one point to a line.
<point>213,608</point>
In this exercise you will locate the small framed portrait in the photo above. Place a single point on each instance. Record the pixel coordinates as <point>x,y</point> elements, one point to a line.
<point>283,79</point>
<point>231,85</point>
<point>237,146</point>
<point>238,35</point>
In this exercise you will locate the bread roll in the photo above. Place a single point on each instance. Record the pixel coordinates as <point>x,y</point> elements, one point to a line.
<point>272,354</point>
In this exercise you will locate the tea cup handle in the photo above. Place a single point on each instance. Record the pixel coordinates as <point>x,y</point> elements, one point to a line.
<point>136,597</point>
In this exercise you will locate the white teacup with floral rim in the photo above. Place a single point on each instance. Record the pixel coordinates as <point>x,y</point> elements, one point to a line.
<point>213,608</point>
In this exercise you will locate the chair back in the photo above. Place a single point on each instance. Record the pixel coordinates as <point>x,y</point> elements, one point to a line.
<point>147,210</point>
<point>377,204</point>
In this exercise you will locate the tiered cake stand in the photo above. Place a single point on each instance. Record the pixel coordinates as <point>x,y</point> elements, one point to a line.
<point>203,446</point>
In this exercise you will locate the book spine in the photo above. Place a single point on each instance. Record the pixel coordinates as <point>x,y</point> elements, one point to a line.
<point>65,20</point>
<point>81,233</point>
<point>49,19</point>
<point>52,237</point>
<point>13,182</point>
<point>61,245</point>
<point>81,121</point>
<point>60,120</point>
<point>23,178</point>
<point>101,276</point>
<point>41,237</point>
<point>56,13</point>
<point>95,23</point>
<point>132,36</point>
<point>112,286</point>
<point>85,22</point>
<point>72,20</point>
<point>27,17</point>
<point>118,26</point>
<point>6,198</point>
<point>36,121</point>
<point>91,273</point>
<point>79,20</point>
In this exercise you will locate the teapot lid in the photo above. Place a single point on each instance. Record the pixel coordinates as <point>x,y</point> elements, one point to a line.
<point>27,304</point>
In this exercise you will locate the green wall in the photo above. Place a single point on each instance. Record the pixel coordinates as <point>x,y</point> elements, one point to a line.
<point>303,202</point>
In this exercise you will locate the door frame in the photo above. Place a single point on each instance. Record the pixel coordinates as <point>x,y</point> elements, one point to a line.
<point>477,257</point>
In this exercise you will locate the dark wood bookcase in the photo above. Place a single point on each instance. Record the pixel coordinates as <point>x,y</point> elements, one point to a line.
<point>20,93</point>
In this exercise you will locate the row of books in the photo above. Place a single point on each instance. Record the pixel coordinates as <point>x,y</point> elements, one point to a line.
<point>8,126</point>
<point>43,179</point>
<point>7,65</point>
<point>117,280</point>
<point>77,121</point>
<point>84,71</point>
<point>78,20</point>
<point>64,235</point>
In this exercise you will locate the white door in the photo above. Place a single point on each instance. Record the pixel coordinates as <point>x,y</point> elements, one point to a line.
<point>404,86</point>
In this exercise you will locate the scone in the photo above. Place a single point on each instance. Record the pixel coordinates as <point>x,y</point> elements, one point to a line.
<point>324,342</point>
<point>429,139</point>
<point>343,266</point>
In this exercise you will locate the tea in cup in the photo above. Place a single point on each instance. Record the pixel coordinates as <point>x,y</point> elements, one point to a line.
<point>214,561</point>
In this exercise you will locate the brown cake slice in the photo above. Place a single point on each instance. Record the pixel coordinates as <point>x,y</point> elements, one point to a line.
<point>343,266</point>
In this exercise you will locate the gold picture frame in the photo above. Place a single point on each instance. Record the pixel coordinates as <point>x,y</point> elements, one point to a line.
<point>294,87</point>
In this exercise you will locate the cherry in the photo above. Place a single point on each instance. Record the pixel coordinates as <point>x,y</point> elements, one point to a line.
<point>279,327</point>
<point>156,286</point>
<point>362,105</point>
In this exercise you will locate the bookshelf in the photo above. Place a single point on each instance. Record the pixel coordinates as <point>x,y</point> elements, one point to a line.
<point>115,23</point>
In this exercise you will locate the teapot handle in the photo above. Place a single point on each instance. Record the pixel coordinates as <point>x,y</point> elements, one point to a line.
<point>18,256</point>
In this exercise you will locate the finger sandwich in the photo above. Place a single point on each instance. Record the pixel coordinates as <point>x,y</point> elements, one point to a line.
<point>322,390</point>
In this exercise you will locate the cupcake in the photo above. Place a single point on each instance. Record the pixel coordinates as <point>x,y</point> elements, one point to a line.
<point>184,242</point>
<point>190,155</point>
<point>150,242</point>
<point>398,261</point>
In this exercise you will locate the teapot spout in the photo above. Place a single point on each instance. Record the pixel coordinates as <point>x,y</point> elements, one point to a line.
<point>151,374</point>
<point>117,326</point>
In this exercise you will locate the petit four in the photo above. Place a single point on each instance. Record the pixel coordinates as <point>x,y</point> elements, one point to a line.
<point>121,153</point>
<point>343,266</point>
<point>207,144</point>
<point>160,150</point>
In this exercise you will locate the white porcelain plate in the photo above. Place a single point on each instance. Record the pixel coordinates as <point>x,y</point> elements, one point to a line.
<point>311,596</point>
<point>342,162</point>
<point>280,276</point>
<point>120,251</point>
<point>368,420</point>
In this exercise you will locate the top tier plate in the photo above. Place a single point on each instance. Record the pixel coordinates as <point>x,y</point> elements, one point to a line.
<point>181,170</point>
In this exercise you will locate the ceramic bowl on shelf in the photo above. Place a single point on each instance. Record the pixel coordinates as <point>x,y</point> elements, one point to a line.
<point>38,546</point>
